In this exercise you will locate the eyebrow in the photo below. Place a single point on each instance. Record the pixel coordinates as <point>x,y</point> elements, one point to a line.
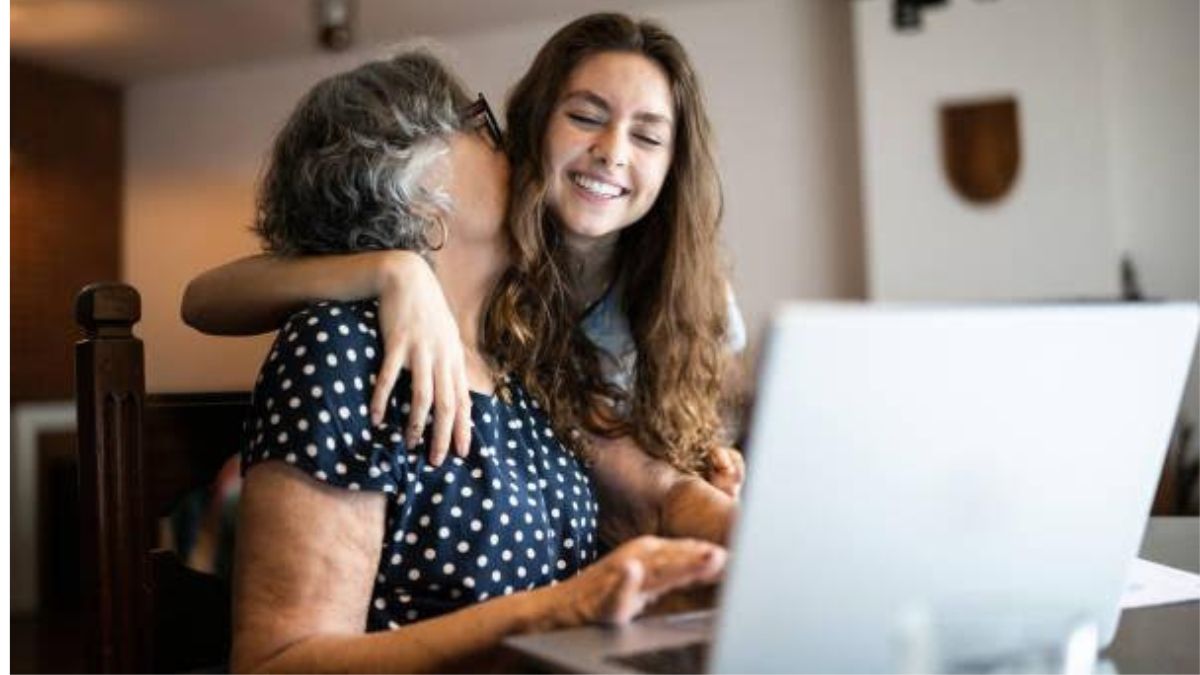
<point>595,99</point>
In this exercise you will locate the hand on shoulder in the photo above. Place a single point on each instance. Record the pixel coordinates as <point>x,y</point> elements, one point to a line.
<point>418,332</point>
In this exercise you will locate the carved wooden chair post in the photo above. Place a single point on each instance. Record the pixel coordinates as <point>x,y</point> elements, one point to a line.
<point>138,455</point>
<point>110,397</point>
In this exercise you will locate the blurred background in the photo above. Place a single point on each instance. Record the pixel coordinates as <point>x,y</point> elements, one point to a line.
<point>965,150</point>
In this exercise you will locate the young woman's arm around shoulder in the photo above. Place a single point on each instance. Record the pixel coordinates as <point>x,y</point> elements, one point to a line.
<point>255,294</point>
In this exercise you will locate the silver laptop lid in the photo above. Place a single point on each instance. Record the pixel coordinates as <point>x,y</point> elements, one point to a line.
<point>946,484</point>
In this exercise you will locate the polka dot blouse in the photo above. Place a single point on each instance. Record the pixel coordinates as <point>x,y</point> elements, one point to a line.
<point>517,513</point>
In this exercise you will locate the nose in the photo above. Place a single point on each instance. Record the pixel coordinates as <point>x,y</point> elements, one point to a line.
<point>610,149</point>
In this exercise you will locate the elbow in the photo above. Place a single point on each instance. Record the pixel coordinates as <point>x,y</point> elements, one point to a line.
<point>254,667</point>
<point>247,657</point>
<point>198,311</point>
<point>243,659</point>
<point>243,665</point>
<point>190,312</point>
<point>242,662</point>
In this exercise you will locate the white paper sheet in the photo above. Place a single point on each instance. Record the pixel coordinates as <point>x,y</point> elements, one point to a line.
<point>1151,584</point>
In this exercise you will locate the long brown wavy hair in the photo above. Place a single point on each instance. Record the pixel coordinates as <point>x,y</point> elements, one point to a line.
<point>668,262</point>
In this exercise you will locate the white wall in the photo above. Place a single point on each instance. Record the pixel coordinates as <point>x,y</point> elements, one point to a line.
<point>1051,236</point>
<point>1152,103</point>
<point>1109,97</point>
<point>779,80</point>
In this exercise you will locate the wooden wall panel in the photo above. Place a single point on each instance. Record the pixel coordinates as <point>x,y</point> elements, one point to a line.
<point>65,217</point>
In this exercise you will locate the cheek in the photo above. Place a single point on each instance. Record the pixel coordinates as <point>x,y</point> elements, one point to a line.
<point>497,190</point>
<point>548,164</point>
<point>554,162</point>
<point>563,145</point>
<point>654,177</point>
<point>552,148</point>
<point>501,170</point>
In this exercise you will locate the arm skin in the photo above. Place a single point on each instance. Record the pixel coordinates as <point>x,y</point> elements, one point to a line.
<point>640,495</point>
<point>303,581</point>
<point>726,470</point>
<point>256,294</point>
<point>307,555</point>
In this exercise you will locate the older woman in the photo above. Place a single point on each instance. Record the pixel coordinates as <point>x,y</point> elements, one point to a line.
<point>346,529</point>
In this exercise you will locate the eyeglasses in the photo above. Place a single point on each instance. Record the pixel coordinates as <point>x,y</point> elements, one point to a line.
<point>479,114</point>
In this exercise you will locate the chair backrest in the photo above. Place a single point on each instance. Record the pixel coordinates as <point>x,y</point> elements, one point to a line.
<point>138,455</point>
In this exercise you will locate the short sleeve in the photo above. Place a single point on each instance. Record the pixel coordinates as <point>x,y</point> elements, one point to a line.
<point>310,409</point>
<point>735,334</point>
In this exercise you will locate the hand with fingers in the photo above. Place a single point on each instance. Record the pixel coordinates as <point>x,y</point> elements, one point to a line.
<point>418,332</point>
<point>726,470</point>
<point>618,587</point>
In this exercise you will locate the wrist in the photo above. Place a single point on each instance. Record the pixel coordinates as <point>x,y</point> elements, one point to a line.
<point>395,269</point>
<point>549,608</point>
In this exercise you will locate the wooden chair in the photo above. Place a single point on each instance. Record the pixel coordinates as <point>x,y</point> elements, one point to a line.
<point>138,454</point>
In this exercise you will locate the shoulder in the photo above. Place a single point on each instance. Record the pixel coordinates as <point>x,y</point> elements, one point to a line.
<point>341,322</point>
<point>327,339</point>
<point>310,402</point>
<point>323,359</point>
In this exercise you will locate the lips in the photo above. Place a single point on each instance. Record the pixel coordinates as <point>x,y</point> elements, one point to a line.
<point>596,187</point>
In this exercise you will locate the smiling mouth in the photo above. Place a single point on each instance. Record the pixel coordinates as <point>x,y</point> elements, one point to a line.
<point>597,188</point>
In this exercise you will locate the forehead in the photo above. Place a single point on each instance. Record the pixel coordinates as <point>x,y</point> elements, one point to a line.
<point>627,83</point>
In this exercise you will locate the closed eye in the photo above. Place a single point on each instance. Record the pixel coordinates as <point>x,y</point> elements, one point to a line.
<point>584,119</point>
<point>648,140</point>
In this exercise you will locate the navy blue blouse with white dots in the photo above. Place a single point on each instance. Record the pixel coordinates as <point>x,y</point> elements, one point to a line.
<point>517,513</point>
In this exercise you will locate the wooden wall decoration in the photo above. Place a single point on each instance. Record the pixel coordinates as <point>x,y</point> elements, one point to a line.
<point>981,147</point>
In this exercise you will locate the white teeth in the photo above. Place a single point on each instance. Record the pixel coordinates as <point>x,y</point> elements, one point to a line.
<point>596,187</point>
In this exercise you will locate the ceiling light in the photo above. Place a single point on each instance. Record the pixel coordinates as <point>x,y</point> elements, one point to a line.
<point>333,24</point>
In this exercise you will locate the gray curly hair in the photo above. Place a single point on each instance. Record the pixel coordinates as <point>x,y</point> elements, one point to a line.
<point>345,171</point>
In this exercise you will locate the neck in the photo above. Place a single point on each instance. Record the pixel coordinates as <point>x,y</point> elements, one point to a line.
<point>467,273</point>
<point>595,260</point>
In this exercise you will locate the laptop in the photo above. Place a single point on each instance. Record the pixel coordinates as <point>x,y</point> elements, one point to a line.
<point>929,488</point>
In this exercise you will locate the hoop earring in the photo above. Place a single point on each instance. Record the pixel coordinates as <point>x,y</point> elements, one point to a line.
<point>445,235</point>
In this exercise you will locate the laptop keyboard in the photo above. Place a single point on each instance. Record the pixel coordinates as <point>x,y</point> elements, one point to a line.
<point>689,658</point>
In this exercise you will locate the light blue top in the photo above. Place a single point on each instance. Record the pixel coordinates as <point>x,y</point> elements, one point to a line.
<point>608,328</point>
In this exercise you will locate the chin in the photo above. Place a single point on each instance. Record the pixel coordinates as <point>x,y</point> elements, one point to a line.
<point>591,228</point>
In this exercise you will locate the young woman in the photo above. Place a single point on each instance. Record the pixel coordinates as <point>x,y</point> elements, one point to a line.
<point>344,525</point>
<point>614,173</point>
